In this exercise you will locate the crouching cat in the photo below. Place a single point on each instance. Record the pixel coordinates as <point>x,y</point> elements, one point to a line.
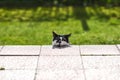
<point>60,41</point>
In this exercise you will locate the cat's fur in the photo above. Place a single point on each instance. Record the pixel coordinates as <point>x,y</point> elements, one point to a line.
<point>60,40</point>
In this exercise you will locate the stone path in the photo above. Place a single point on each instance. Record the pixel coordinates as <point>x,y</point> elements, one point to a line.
<point>84,62</point>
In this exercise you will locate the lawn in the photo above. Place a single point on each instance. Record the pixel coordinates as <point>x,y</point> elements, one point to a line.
<point>88,25</point>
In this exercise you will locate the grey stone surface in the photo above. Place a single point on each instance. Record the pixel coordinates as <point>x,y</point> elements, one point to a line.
<point>60,75</point>
<point>69,51</point>
<point>20,50</point>
<point>102,67</point>
<point>118,46</point>
<point>18,62</point>
<point>99,50</point>
<point>0,48</point>
<point>60,68</point>
<point>60,63</point>
<point>17,74</point>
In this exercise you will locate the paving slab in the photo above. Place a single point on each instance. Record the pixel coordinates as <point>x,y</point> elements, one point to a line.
<point>20,50</point>
<point>99,50</point>
<point>118,46</point>
<point>102,67</point>
<point>1,47</point>
<point>60,62</point>
<point>17,74</point>
<point>60,68</point>
<point>68,51</point>
<point>18,62</point>
<point>60,75</point>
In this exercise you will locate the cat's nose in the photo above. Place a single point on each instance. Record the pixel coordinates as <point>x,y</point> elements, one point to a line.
<point>59,41</point>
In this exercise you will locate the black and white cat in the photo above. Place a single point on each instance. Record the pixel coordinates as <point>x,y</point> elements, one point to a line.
<point>60,40</point>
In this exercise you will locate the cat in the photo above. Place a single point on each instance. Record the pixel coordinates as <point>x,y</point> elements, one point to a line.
<point>60,41</point>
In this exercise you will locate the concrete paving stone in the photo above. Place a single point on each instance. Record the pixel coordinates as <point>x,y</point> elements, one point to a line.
<point>68,51</point>
<point>118,46</point>
<point>99,50</point>
<point>102,67</point>
<point>18,62</point>
<point>20,50</point>
<point>60,75</point>
<point>17,74</point>
<point>103,74</point>
<point>60,63</point>
<point>0,48</point>
<point>101,61</point>
<point>60,68</point>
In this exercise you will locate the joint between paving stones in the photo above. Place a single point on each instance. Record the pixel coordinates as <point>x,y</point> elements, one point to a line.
<point>118,48</point>
<point>82,63</point>
<point>37,64</point>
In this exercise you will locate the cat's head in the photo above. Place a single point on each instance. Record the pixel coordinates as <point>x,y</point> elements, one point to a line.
<point>60,40</point>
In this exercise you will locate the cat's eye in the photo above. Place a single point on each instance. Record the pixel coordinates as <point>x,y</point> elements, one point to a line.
<point>57,38</point>
<point>63,39</point>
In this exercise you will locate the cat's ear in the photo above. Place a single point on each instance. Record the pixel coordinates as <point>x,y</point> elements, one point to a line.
<point>54,34</point>
<point>68,35</point>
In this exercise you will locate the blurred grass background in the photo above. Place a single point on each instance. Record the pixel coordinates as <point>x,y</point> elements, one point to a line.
<point>34,25</point>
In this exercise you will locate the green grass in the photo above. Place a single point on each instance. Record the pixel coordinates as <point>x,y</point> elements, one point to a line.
<point>103,24</point>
